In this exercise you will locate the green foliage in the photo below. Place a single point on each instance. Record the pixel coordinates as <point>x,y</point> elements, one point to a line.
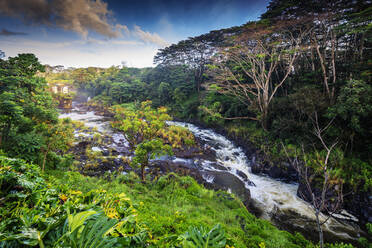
<point>339,245</point>
<point>28,119</point>
<point>172,206</point>
<point>354,105</point>
<point>37,213</point>
<point>147,133</point>
<point>88,229</point>
<point>141,124</point>
<point>149,149</point>
<point>364,241</point>
<point>201,237</point>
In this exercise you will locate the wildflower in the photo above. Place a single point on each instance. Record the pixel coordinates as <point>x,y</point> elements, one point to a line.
<point>63,197</point>
<point>123,197</point>
<point>77,192</point>
<point>112,213</point>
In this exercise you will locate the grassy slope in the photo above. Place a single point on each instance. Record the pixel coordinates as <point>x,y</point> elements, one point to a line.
<point>172,204</point>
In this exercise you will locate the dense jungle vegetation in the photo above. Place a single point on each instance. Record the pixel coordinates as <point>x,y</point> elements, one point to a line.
<point>296,85</point>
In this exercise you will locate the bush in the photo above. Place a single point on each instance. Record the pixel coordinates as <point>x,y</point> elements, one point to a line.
<point>38,213</point>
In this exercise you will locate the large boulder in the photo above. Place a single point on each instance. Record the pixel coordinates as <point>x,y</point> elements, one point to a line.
<point>282,171</point>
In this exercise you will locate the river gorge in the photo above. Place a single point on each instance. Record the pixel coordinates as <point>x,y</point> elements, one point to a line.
<point>226,167</point>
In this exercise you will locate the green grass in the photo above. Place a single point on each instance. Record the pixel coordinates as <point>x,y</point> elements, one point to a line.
<point>173,204</point>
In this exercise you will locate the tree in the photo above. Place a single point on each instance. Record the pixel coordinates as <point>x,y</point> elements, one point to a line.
<point>149,149</point>
<point>140,124</point>
<point>25,103</point>
<point>325,195</point>
<point>56,137</point>
<point>338,41</point>
<point>257,65</point>
<point>147,133</point>
<point>164,92</point>
<point>195,52</point>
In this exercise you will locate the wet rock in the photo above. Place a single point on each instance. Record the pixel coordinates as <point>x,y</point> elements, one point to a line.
<point>282,171</point>
<point>163,167</point>
<point>291,221</point>
<point>185,164</point>
<point>82,145</point>
<point>229,182</point>
<point>360,205</point>
<point>217,166</point>
<point>242,175</point>
<point>188,152</point>
<point>245,178</point>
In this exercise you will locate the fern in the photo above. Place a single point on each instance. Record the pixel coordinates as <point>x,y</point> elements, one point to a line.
<point>88,229</point>
<point>201,238</point>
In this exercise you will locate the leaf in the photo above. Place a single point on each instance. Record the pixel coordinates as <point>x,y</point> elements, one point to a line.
<point>200,238</point>
<point>79,219</point>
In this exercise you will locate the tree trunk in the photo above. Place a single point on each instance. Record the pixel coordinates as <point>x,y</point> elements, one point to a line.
<point>142,173</point>
<point>312,60</point>
<point>324,71</point>
<point>320,230</point>
<point>265,108</point>
<point>45,155</point>
<point>333,64</point>
<point>264,119</point>
<point>143,166</point>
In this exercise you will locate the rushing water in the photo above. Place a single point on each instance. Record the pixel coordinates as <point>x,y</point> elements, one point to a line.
<point>277,200</point>
<point>273,197</point>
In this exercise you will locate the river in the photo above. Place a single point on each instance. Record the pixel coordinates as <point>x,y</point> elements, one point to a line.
<point>277,200</point>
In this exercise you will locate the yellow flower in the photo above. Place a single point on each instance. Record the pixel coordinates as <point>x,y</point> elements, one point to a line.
<point>123,197</point>
<point>112,213</point>
<point>73,192</point>
<point>63,197</point>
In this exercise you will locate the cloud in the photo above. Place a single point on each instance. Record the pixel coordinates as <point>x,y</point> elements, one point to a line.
<point>37,11</point>
<point>124,28</point>
<point>6,32</point>
<point>79,16</point>
<point>84,15</point>
<point>148,37</point>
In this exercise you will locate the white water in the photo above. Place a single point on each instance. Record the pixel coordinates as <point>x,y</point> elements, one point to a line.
<point>269,195</point>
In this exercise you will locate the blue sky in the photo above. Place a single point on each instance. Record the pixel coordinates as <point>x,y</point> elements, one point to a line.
<point>83,33</point>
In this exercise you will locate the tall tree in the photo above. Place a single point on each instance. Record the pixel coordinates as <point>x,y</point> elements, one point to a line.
<point>257,65</point>
<point>195,52</point>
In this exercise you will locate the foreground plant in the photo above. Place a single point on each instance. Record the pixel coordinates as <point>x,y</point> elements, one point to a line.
<point>35,213</point>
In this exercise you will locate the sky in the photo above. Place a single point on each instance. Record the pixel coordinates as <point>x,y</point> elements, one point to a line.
<point>102,33</point>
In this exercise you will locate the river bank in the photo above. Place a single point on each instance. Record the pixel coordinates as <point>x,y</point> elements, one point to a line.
<point>357,203</point>
<point>223,166</point>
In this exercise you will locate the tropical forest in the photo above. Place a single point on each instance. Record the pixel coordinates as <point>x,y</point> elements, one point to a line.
<point>196,124</point>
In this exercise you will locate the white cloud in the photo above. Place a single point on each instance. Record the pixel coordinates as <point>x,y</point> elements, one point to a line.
<point>149,37</point>
<point>79,16</point>
<point>123,28</point>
